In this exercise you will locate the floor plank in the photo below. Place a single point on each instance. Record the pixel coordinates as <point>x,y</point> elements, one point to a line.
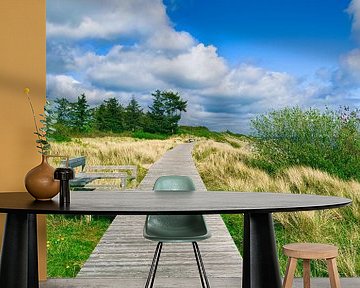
<point>176,283</point>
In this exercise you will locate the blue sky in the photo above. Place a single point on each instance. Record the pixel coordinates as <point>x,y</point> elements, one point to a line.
<point>279,34</point>
<point>231,60</point>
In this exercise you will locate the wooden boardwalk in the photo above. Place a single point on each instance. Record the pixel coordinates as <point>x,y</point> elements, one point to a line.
<point>124,256</point>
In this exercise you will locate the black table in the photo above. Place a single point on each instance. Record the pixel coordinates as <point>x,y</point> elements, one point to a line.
<point>260,263</point>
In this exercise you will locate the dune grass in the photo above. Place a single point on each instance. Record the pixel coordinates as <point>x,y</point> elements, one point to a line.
<point>115,151</point>
<point>223,166</point>
<point>71,239</point>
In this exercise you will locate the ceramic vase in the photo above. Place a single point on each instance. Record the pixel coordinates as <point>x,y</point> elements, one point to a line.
<point>40,183</point>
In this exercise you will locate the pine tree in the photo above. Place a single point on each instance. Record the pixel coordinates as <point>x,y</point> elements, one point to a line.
<point>63,111</point>
<point>133,115</point>
<point>100,118</point>
<point>80,116</point>
<point>110,116</point>
<point>165,112</point>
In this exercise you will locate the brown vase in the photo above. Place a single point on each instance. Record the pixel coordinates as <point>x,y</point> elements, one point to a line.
<point>40,183</point>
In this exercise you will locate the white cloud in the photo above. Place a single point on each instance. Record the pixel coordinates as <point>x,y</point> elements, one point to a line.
<point>59,86</point>
<point>251,83</point>
<point>171,40</point>
<point>144,70</point>
<point>129,70</point>
<point>200,67</point>
<point>102,19</point>
<point>144,21</point>
<point>146,52</point>
<point>354,11</point>
<point>348,73</point>
<point>64,86</point>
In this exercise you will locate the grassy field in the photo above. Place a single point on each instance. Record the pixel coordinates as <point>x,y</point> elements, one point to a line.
<point>223,166</point>
<point>70,242</point>
<point>71,239</point>
<point>115,151</point>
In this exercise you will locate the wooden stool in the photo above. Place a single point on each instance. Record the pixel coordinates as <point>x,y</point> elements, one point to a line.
<point>308,251</point>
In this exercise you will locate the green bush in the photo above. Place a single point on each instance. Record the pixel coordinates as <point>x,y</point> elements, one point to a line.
<point>147,135</point>
<point>201,131</point>
<point>61,134</point>
<point>328,141</point>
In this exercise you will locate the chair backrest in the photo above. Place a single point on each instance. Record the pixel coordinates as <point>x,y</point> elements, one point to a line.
<point>174,183</point>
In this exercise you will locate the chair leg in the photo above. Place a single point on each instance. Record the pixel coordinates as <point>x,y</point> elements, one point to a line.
<point>333,273</point>
<point>154,264</point>
<point>289,274</point>
<point>306,273</point>
<point>200,264</point>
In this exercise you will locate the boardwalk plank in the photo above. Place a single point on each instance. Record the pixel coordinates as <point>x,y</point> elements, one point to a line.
<point>124,254</point>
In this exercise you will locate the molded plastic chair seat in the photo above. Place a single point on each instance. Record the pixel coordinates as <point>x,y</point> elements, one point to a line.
<point>174,183</point>
<point>176,228</point>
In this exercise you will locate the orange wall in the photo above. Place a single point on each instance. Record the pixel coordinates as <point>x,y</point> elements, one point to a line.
<point>22,64</point>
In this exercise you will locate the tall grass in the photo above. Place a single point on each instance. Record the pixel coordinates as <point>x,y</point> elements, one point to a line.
<point>71,239</point>
<point>115,151</point>
<point>223,167</point>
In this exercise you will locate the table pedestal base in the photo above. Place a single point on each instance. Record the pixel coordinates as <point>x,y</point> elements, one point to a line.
<point>19,264</point>
<point>260,261</point>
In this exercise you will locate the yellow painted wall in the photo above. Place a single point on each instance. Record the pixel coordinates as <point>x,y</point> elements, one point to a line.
<point>22,64</point>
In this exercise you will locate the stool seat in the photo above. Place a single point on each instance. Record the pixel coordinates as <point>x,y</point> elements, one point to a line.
<point>310,251</point>
<point>307,252</point>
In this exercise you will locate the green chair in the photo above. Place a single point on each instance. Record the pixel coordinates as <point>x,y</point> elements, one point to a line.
<point>176,228</point>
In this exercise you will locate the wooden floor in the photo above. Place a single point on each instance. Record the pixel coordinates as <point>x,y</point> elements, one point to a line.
<point>124,256</point>
<point>116,283</point>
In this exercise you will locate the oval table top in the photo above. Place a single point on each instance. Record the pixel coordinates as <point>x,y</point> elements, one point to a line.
<point>169,202</point>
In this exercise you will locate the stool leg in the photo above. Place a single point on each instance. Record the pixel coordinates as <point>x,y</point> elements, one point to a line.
<point>290,271</point>
<point>306,275</point>
<point>333,273</point>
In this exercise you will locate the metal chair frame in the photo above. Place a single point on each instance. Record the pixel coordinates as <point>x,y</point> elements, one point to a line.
<point>151,277</point>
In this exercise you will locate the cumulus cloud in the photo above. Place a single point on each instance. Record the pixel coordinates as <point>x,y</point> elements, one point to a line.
<point>198,68</point>
<point>64,86</point>
<point>145,52</point>
<point>143,21</point>
<point>161,58</point>
<point>348,73</point>
<point>170,40</point>
<point>129,70</point>
<point>354,12</point>
<point>252,82</point>
<point>101,19</point>
<point>144,70</point>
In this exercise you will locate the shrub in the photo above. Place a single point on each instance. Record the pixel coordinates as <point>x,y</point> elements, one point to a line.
<point>61,134</point>
<point>149,136</point>
<point>223,167</point>
<point>201,131</point>
<point>328,141</point>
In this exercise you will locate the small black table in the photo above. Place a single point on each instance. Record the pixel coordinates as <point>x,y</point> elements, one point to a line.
<point>260,263</point>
